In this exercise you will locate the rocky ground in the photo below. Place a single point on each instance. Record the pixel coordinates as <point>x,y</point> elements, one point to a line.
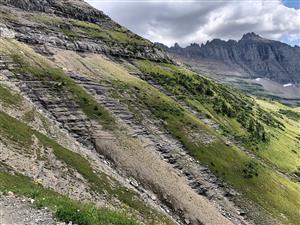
<point>16,210</point>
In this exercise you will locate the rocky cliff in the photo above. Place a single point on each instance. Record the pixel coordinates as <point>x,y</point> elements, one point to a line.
<point>256,56</point>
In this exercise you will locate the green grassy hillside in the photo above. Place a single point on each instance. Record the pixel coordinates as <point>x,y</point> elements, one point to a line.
<point>17,133</point>
<point>261,179</point>
<point>14,132</point>
<point>251,144</point>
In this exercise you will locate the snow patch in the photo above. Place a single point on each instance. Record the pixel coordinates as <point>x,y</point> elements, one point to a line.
<point>287,85</point>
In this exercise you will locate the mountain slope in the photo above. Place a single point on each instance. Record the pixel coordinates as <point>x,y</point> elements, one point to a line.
<point>98,114</point>
<point>260,66</point>
<point>73,25</point>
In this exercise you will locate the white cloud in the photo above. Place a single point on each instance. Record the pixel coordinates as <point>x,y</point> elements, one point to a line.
<point>200,20</point>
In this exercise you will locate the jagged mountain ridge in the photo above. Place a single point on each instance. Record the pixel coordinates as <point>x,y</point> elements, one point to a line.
<point>256,56</point>
<point>92,120</point>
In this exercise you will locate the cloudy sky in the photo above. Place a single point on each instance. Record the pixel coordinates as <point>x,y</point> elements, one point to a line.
<point>187,21</point>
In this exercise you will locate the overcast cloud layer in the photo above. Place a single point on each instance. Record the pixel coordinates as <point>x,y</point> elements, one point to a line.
<point>201,20</point>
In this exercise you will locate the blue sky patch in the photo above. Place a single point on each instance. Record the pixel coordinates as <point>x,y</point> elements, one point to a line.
<point>292,3</point>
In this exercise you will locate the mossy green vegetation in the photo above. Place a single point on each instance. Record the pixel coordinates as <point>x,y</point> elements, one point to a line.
<point>290,114</point>
<point>64,208</point>
<point>8,98</point>
<point>16,132</point>
<point>7,16</point>
<point>283,151</point>
<point>75,29</point>
<point>217,99</point>
<point>47,20</point>
<point>297,174</point>
<point>20,134</point>
<point>273,137</point>
<point>113,34</point>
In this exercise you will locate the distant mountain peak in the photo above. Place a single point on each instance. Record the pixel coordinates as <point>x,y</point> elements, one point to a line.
<point>251,36</point>
<point>176,45</point>
<point>195,44</point>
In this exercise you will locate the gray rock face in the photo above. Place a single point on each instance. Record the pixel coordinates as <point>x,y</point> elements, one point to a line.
<point>76,9</point>
<point>256,56</point>
<point>5,32</point>
<point>55,34</point>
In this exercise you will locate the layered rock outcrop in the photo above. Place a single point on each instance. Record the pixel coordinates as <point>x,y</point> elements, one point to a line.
<point>74,25</point>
